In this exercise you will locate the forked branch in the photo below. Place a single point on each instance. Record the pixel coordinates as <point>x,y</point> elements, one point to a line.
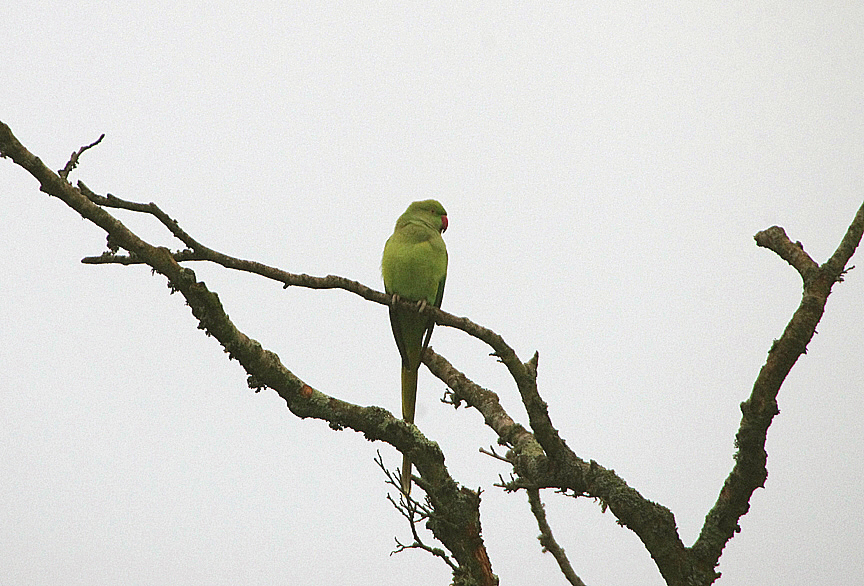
<point>457,521</point>
<point>750,470</point>
<point>539,456</point>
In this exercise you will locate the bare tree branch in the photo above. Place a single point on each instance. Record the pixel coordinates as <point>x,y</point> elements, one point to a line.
<point>548,541</point>
<point>485,401</point>
<point>457,523</point>
<point>750,471</point>
<point>73,160</point>
<point>540,457</point>
<point>836,265</point>
<point>653,523</point>
<point>197,251</point>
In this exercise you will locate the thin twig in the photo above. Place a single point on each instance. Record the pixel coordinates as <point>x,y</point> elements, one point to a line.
<point>73,160</point>
<point>492,453</point>
<point>548,541</point>
<point>415,513</point>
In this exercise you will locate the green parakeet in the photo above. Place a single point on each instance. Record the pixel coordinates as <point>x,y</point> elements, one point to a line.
<point>414,267</point>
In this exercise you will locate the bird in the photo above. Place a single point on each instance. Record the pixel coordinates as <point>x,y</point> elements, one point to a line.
<point>414,268</point>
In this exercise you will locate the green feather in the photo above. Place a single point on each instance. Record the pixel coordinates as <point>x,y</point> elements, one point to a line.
<point>414,267</point>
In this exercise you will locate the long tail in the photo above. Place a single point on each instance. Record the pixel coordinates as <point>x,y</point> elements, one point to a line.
<point>409,400</point>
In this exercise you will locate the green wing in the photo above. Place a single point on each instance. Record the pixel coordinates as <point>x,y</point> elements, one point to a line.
<point>431,323</point>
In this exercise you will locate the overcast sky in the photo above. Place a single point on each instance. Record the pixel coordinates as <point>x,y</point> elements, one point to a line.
<point>604,168</point>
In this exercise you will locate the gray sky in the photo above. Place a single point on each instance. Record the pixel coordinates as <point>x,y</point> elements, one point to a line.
<point>604,168</point>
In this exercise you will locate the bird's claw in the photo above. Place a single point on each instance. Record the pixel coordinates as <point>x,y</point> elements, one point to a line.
<point>421,305</point>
